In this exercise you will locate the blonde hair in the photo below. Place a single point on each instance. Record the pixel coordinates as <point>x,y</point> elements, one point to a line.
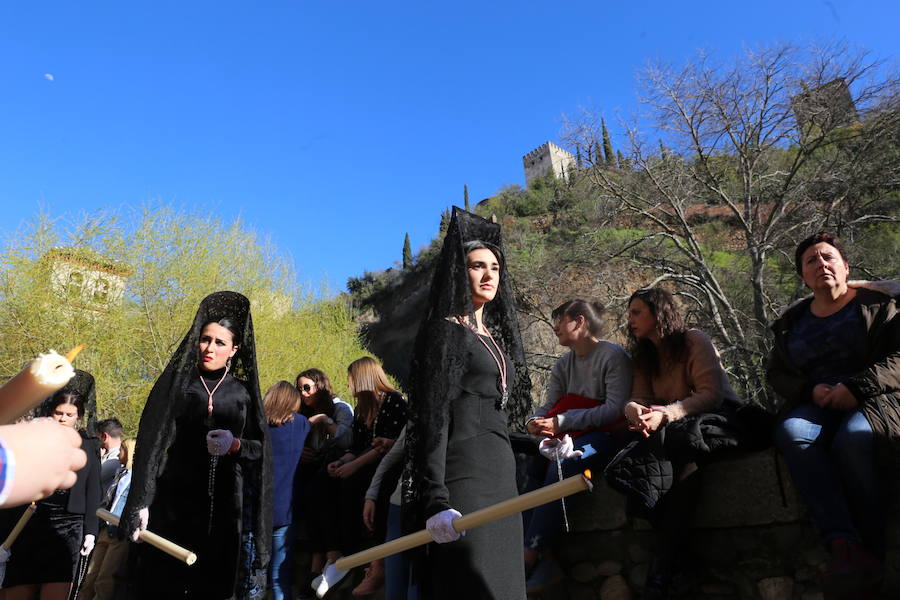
<point>281,401</point>
<point>128,446</point>
<point>367,382</point>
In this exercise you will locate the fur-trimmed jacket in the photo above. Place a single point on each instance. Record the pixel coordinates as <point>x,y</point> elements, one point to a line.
<point>876,387</point>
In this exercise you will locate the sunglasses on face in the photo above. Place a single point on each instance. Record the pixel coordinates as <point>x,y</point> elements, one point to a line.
<point>306,387</point>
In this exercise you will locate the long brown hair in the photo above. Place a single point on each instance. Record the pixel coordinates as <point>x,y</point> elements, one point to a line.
<point>669,327</point>
<point>323,401</point>
<point>281,401</point>
<point>367,383</point>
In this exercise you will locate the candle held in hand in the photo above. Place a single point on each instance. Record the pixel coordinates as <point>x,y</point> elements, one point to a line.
<point>39,379</point>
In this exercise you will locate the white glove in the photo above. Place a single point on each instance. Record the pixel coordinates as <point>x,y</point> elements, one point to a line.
<point>143,519</point>
<point>218,442</point>
<point>88,544</point>
<point>440,526</point>
<point>5,553</point>
<point>562,449</point>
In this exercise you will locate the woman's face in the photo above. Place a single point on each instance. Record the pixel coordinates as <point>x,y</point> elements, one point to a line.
<point>822,267</point>
<point>65,414</point>
<point>566,330</point>
<point>216,347</point>
<point>484,275</point>
<point>308,390</point>
<point>641,321</point>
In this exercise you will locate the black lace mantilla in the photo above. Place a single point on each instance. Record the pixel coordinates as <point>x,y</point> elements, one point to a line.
<point>439,358</point>
<point>156,430</point>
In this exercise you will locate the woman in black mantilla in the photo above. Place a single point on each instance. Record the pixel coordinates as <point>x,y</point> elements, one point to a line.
<point>468,372</point>
<point>45,557</point>
<point>202,465</point>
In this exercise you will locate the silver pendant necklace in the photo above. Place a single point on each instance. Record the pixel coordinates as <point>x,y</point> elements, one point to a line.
<point>213,459</point>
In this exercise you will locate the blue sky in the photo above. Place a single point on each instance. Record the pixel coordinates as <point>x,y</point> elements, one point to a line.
<point>336,127</point>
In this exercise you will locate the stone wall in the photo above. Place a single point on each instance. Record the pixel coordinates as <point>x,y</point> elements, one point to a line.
<point>751,538</point>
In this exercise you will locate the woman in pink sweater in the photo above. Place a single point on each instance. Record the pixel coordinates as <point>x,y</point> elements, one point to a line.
<point>676,373</point>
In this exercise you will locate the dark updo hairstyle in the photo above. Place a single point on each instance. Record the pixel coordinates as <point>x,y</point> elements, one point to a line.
<point>478,244</point>
<point>323,401</point>
<point>66,398</point>
<point>229,324</point>
<point>592,312</point>
<point>669,327</point>
<point>817,238</point>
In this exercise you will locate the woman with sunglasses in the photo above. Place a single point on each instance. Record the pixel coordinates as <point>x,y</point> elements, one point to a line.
<point>331,421</point>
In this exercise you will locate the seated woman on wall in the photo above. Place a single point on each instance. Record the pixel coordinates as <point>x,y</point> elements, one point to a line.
<point>588,389</point>
<point>676,374</point>
<point>836,366</point>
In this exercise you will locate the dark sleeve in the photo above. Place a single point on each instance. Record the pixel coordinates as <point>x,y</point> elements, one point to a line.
<point>358,433</point>
<point>444,366</point>
<point>393,419</point>
<point>92,488</point>
<point>883,375</point>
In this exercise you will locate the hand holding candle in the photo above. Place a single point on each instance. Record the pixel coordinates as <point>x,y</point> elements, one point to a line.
<point>39,379</point>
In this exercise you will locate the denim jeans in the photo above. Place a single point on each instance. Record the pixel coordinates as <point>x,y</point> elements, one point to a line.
<point>281,564</point>
<point>831,457</point>
<point>398,585</point>
<point>546,520</point>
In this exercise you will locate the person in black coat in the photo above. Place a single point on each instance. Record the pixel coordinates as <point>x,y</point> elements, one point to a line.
<point>45,556</point>
<point>202,469</point>
<point>469,383</point>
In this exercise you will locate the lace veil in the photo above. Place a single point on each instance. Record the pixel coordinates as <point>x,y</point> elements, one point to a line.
<point>439,358</point>
<point>156,429</point>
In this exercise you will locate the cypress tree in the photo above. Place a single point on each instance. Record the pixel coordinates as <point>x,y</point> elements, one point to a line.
<point>578,157</point>
<point>620,160</point>
<point>407,252</point>
<point>607,146</point>
<point>466,198</point>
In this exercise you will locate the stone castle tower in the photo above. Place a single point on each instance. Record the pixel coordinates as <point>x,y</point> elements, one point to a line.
<point>545,159</point>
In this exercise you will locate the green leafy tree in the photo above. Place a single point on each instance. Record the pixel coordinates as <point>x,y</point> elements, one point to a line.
<point>165,265</point>
<point>407,253</point>
<point>610,157</point>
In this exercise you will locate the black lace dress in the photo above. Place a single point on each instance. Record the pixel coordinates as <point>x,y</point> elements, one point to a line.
<point>470,465</point>
<point>180,511</point>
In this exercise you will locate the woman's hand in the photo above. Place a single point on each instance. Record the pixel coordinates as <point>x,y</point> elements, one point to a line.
<point>143,519</point>
<point>545,427</point>
<point>347,469</point>
<point>652,420</point>
<point>332,468</point>
<point>88,545</point>
<point>382,444</point>
<point>319,419</point>
<point>308,455</point>
<point>841,398</point>
<point>440,526</point>
<point>820,393</point>
<point>46,457</point>
<point>633,413</point>
<point>369,514</point>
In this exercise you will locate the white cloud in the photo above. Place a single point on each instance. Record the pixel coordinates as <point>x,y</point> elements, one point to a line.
<point>48,76</point>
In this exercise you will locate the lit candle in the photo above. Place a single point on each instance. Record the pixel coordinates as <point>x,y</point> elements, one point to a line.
<point>39,379</point>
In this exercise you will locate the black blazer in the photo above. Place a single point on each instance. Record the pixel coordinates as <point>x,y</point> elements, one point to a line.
<point>84,497</point>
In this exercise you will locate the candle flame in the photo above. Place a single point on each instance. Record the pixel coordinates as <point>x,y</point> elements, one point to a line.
<point>70,356</point>
<point>587,473</point>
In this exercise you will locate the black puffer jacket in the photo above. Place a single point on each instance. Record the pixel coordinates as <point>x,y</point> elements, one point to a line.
<point>646,468</point>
